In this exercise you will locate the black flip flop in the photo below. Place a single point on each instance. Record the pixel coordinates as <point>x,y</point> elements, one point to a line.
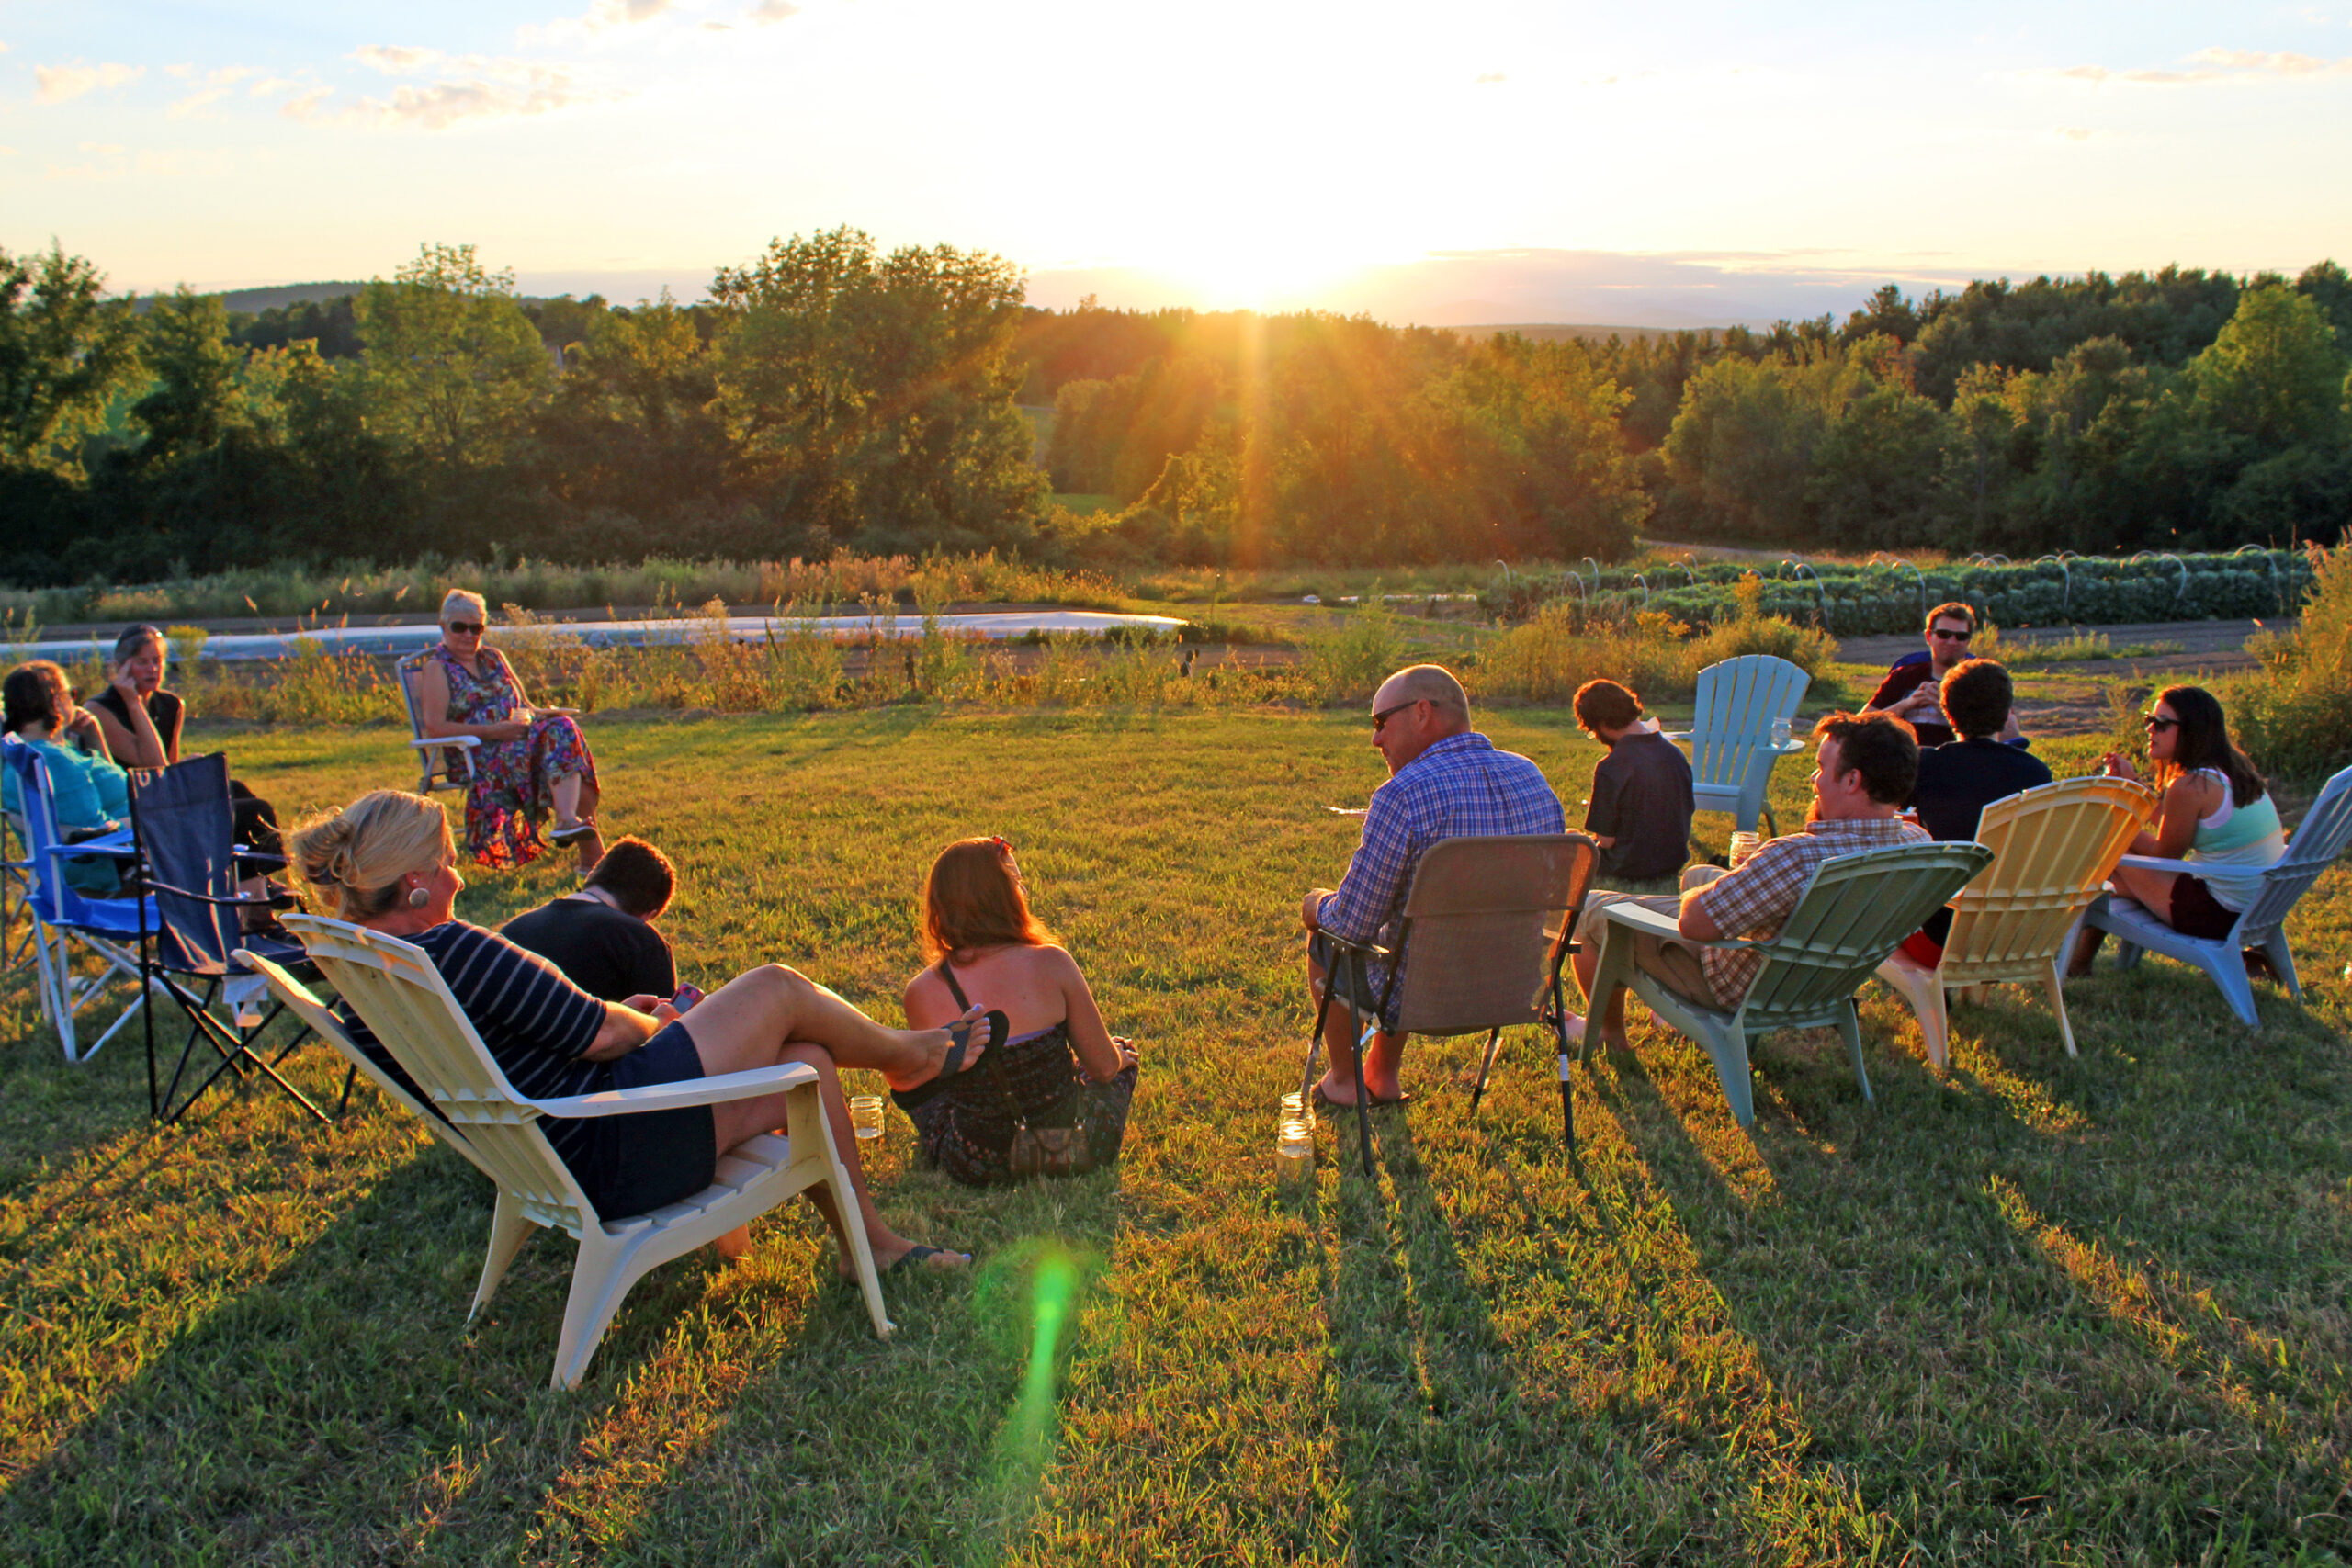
<point>959,1040</point>
<point>911,1260</point>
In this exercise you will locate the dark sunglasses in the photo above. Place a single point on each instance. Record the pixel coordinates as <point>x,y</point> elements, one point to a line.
<point>469,628</point>
<point>1942,636</point>
<point>2155,723</point>
<point>1380,721</point>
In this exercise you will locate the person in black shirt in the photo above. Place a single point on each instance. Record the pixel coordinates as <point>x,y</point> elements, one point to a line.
<point>1956,781</point>
<point>1640,814</point>
<point>142,720</point>
<point>601,936</point>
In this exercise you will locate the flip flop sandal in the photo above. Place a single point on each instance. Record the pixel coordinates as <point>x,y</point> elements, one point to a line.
<point>571,835</point>
<point>959,1040</point>
<point>912,1259</point>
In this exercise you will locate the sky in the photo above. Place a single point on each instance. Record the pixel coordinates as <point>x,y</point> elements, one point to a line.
<point>1475,162</point>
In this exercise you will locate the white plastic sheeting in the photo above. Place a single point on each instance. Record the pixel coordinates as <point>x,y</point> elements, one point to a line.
<point>996,627</point>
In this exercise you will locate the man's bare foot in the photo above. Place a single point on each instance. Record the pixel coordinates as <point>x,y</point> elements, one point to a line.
<point>734,1244</point>
<point>939,1043</point>
<point>1333,1090</point>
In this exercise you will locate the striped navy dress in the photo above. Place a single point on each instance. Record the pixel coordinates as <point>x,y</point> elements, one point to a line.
<point>537,1023</point>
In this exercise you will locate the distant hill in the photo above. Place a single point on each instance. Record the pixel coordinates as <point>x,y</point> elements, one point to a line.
<point>1560,331</point>
<point>255,300</point>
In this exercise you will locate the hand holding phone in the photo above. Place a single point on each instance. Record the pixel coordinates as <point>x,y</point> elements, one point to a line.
<point>686,997</point>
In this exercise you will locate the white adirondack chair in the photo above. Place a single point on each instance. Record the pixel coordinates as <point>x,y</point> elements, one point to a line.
<point>1732,751</point>
<point>2053,848</point>
<point>304,1004</point>
<point>395,988</point>
<point>2320,839</point>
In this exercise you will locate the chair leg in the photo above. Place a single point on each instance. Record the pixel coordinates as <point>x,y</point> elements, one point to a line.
<point>805,1124</point>
<point>509,1229</point>
<point>2282,958</point>
<point>1363,1095</point>
<point>2229,973</point>
<point>1567,1093</point>
<point>1478,1091</point>
<point>1935,1021</point>
<point>1849,1024</point>
<point>2057,984</point>
<point>1770,821</point>
<point>1315,1046</point>
<point>599,1279</point>
<point>1727,1050</point>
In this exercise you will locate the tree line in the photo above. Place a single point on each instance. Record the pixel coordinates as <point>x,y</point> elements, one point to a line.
<point>829,394</point>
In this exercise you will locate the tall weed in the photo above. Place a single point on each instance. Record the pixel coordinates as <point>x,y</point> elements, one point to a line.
<point>1349,664</point>
<point>2294,715</point>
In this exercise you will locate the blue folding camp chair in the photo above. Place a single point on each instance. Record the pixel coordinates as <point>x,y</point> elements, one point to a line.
<point>64,920</point>
<point>190,864</point>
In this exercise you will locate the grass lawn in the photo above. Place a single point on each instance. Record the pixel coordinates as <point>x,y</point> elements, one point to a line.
<point>2037,1310</point>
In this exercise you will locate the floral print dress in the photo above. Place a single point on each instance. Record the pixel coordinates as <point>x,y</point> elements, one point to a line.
<point>513,780</point>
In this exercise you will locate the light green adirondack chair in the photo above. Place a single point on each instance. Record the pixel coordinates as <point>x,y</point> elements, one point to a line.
<point>1732,749</point>
<point>1853,913</point>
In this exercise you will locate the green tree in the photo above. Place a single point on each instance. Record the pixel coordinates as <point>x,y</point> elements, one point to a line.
<point>452,365</point>
<point>2274,377</point>
<point>871,396</point>
<point>64,349</point>
<point>184,342</point>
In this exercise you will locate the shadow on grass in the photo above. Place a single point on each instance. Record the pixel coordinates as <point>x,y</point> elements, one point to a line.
<point>937,1444</point>
<point>2098,1355</point>
<point>338,1399</point>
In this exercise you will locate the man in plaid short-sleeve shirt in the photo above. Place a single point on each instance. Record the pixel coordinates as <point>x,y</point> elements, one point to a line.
<point>1866,771</point>
<point>1446,781</point>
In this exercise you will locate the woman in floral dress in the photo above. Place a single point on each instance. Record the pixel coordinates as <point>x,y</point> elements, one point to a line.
<point>529,761</point>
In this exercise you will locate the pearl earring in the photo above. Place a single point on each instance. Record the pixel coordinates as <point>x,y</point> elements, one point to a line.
<point>418,898</point>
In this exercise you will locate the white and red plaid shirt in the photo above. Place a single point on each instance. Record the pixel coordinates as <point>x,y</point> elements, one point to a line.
<point>1758,898</point>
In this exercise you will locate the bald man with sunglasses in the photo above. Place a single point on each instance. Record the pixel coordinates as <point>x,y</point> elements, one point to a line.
<point>1446,781</point>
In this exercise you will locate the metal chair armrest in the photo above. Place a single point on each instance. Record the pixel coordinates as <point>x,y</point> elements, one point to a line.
<point>672,1096</point>
<point>467,742</point>
<point>1368,949</point>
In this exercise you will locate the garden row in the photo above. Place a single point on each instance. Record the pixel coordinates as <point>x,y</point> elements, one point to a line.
<point>1893,597</point>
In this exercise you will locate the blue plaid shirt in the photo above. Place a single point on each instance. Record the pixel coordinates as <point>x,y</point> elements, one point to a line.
<point>1460,788</point>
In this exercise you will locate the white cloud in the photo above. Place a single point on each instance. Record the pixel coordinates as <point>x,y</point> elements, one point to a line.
<point>2076,132</point>
<point>59,83</point>
<point>269,86</point>
<point>623,13</point>
<point>396,60</point>
<point>771,11</point>
<point>470,87</point>
<point>2219,65</point>
<point>218,85</point>
<point>1491,77</point>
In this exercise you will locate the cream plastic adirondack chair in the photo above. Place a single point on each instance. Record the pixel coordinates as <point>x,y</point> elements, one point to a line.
<point>395,987</point>
<point>1850,916</point>
<point>2054,847</point>
<point>304,1004</point>
<point>1732,751</point>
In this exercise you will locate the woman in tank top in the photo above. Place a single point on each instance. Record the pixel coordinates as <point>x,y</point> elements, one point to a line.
<point>1058,1057</point>
<point>2216,812</point>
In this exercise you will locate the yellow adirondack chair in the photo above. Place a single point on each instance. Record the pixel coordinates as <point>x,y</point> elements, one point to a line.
<point>404,1001</point>
<point>2054,847</point>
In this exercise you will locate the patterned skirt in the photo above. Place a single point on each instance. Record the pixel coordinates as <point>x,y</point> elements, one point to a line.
<point>512,786</point>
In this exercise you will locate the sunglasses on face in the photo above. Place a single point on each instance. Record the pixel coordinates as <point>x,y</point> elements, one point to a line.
<point>469,628</point>
<point>2156,721</point>
<point>1380,721</point>
<point>1943,635</point>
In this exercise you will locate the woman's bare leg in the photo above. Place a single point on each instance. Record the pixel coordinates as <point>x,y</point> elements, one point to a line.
<point>747,1023</point>
<point>737,1120</point>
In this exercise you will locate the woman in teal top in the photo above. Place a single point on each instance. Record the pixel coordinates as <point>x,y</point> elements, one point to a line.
<point>90,794</point>
<point>2217,812</point>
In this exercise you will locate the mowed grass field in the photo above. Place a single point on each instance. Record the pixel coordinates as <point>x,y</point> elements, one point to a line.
<point>2036,1310</point>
